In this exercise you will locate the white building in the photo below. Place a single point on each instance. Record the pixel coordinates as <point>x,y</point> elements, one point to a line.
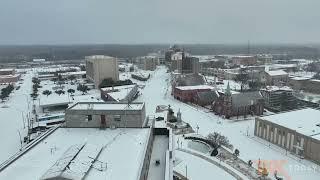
<point>100,67</point>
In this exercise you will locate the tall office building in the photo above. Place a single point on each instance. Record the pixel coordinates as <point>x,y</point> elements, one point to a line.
<point>100,67</point>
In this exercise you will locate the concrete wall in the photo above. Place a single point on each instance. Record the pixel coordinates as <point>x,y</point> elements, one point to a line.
<point>147,157</point>
<point>101,67</point>
<point>129,118</point>
<point>288,139</point>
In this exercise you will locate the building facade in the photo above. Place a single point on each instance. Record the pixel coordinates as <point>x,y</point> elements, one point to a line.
<point>10,78</point>
<point>105,115</point>
<point>7,71</point>
<point>278,98</point>
<point>244,60</point>
<point>276,77</point>
<point>148,63</point>
<point>100,67</point>
<point>241,104</point>
<point>188,93</point>
<point>188,64</point>
<point>305,84</point>
<point>295,131</point>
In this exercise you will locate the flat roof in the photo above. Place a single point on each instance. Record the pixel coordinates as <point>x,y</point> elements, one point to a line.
<point>297,78</point>
<point>73,73</point>
<point>6,69</point>
<point>195,87</point>
<point>9,76</point>
<point>119,92</point>
<point>115,160</point>
<point>107,106</point>
<point>277,73</point>
<point>304,121</point>
<point>277,88</point>
<point>99,57</point>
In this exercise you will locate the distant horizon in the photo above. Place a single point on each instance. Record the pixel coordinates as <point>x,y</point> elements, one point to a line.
<point>193,44</point>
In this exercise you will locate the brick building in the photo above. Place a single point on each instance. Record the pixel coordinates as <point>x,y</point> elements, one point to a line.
<point>241,104</point>
<point>188,93</point>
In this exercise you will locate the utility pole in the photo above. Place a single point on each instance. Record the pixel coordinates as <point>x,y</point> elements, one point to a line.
<point>248,48</point>
<point>186,172</point>
<point>20,140</point>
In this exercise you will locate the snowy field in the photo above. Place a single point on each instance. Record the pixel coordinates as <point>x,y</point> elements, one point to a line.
<point>241,133</point>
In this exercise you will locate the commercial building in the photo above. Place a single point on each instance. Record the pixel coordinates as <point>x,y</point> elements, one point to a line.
<point>106,115</point>
<point>100,67</point>
<point>264,58</point>
<point>7,71</point>
<point>148,62</point>
<point>278,98</point>
<point>76,74</point>
<point>243,60</point>
<point>82,150</point>
<point>120,93</point>
<point>276,77</point>
<point>188,64</point>
<point>305,83</point>
<point>9,76</point>
<point>188,93</point>
<point>295,131</point>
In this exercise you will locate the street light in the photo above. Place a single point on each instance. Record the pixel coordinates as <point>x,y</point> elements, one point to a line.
<point>20,139</point>
<point>22,114</point>
<point>27,98</point>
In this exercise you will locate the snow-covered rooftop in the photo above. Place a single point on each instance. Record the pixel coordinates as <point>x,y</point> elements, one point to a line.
<point>277,88</point>
<point>305,121</point>
<point>73,73</point>
<point>6,70</point>
<point>107,106</point>
<point>115,161</point>
<point>298,78</point>
<point>315,80</point>
<point>9,76</point>
<point>195,87</point>
<point>277,73</point>
<point>119,92</point>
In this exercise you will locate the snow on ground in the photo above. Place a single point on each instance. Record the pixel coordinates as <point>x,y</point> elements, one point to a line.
<point>240,133</point>
<point>198,168</point>
<point>121,163</point>
<point>55,98</point>
<point>302,74</point>
<point>13,119</point>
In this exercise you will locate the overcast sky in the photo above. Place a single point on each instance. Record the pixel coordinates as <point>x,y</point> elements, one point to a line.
<point>159,21</point>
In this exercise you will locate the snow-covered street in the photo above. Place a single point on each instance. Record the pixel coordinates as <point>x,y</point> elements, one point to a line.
<point>240,133</point>
<point>13,118</point>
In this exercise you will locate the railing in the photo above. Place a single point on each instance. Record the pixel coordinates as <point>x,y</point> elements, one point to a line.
<point>28,147</point>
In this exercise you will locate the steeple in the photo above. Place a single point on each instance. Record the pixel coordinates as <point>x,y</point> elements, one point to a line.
<point>228,90</point>
<point>179,117</point>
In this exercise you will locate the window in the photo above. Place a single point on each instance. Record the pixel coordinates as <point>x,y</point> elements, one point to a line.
<point>117,118</point>
<point>89,118</point>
